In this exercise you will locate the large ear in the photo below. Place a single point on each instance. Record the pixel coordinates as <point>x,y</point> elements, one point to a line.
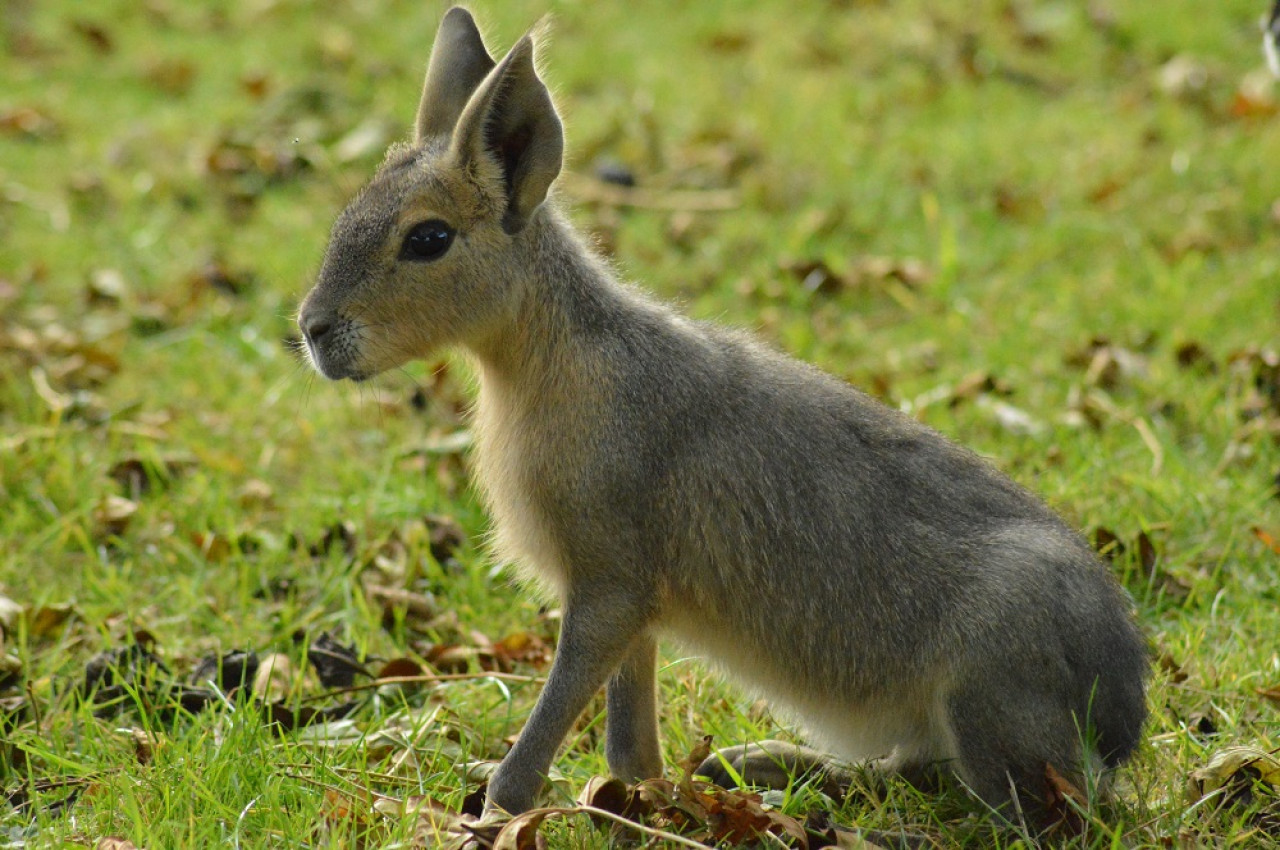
<point>512,122</point>
<point>459,63</point>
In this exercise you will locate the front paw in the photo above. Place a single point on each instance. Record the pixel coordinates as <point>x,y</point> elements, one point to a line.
<point>510,792</point>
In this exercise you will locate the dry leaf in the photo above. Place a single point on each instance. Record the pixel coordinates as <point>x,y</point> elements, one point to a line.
<point>1233,764</point>
<point>112,516</point>
<point>1267,539</point>
<point>49,619</point>
<point>1064,801</point>
<point>400,668</point>
<point>29,122</point>
<point>256,493</point>
<point>10,611</point>
<point>521,832</point>
<point>113,843</point>
<point>336,665</point>
<point>605,792</point>
<point>274,678</point>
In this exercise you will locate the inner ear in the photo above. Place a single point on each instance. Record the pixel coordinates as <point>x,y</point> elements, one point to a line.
<point>509,147</point>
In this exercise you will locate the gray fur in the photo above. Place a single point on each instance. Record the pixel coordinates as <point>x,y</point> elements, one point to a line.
<point>665,478</point>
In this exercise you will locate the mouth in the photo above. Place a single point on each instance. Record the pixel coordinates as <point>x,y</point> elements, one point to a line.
<point>334,369</point>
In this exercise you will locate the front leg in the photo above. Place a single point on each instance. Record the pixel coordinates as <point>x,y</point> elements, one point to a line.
<point>631,733</point>
<point>594,638</point>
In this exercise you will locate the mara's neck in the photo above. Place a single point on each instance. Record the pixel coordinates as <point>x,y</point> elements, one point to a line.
<point>550,342</point>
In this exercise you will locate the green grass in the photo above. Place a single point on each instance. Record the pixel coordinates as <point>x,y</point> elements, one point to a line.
<point>1026,152</point>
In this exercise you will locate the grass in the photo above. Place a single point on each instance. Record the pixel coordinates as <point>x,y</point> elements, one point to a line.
<point>1090,190</point>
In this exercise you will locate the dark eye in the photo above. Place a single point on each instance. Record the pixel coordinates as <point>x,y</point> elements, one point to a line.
<point>427,240</point>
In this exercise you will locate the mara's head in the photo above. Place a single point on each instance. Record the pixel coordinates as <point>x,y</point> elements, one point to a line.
<point>427,253</point>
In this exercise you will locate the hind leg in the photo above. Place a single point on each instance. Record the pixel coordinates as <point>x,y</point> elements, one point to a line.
<point>1006,734</point>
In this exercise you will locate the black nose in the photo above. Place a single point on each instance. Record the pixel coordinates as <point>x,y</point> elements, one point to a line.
<point>315,329</point>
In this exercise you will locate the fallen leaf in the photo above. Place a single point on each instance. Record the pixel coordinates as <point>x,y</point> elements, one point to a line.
<point>398,668</point>
<point>365,140</point>
<point>112,516</point>
<point>228,671</point>
<point>1269,540</point>
<point>113,843</point>
<point>10,613</point>
<point>171,76</point>
<point>1272,694</point>
<point>1239,776</point>
<point>605,792</point>
<point>1193,355</point>
<point>29,122</point>
<point>256,493</point>
<point>218,277</point>
<point>106,287</point>
<point>336,665</point>
<point>144,744</point>
<point>274,678</point>
<point>95,35</point>
<point>700,753</point>
<point>521,832</point>
<point>400,603</point>
<point>49,619</point>
<point>255,84</point>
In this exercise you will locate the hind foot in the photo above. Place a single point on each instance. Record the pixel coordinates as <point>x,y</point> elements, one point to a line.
<point>775,764</point>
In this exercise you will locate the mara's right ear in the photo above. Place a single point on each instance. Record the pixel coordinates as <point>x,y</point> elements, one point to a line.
<point>459,63</point>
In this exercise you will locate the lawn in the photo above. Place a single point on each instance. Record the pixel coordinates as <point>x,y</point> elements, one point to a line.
<point>1050,230</point>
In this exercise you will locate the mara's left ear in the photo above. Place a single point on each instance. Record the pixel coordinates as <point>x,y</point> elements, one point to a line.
<point>511,121</point>
<point>459,63</point>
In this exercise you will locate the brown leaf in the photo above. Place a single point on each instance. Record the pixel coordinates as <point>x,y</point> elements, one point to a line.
<point>607,793</point>
<point>214,548</point>
<point>1272,694</point>
<point>274,678</point>
<point>521,832</point>
<point>521,647</point>
<point>49,619</point>
<point>353,819</point>
<point>1267,539</point>
<point>336,665</point>
<point>172,76</point>
<point>29,122</point>
<point>1255,98</point>
<point>256,493</point>
<point>1233,771</point>
<point>451,658</point>
<point>400,667</point>
<point>255,84</point>
<point>112,516</point>
<point>1192,354</point>
<point>398,602</point>
<point>106,288</point>
<point>144,744</point>
<point>218,277</point>
<point>113,843</point>
<point>976,384</point>
<point>1107,543</point>
<point>1170,666</point>
<point>1065,801</point>
<point>700,753</point>
<point>10,612</point>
